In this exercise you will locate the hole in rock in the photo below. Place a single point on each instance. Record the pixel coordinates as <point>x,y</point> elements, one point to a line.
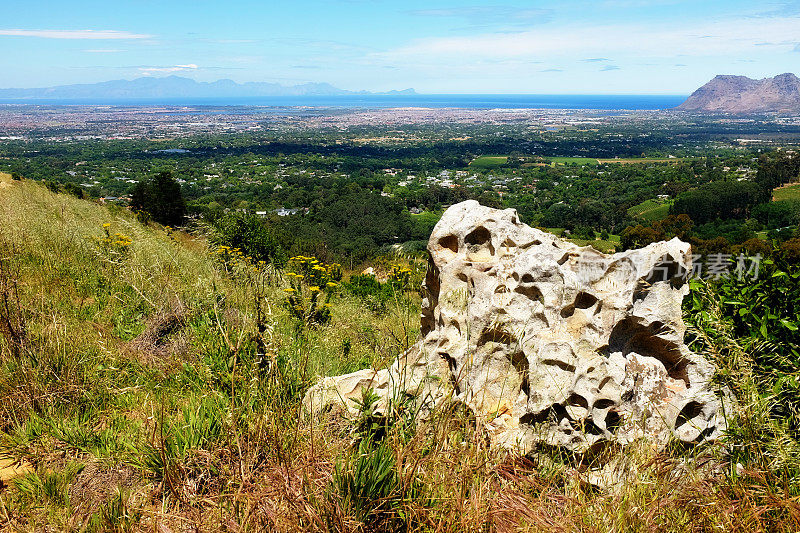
<point>450,242</point>
<point>558,354</point>
<point>603,403</point>
<point>527,245</point>
<point>553,414</point>
<point>629,336</point>
<point>531,292</point>
<point>496,334</point>
<point>689,412</point>
<point>520,364</point>
<point>583,300</point>
<point>591,428</point>
<point>508,243</point>
<point>563,365</point>
<point>430,292</point>
<point>667,268</point>
<point>613,421</point>
<point>480,237</point>
<point>641,291</point>
<point>578,401</point>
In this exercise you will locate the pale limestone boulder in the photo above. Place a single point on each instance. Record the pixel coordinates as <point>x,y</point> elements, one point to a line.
<point>548,342</point>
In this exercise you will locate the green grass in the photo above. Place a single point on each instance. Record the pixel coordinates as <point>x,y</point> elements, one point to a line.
<point>572,160</point>
<point>651,210</point>
<point>642,160</point>
<point>489,161</point>
<point>606,246</point>
<point>792,192</point>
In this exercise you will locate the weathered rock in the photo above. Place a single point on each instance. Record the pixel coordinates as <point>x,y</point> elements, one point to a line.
<point>548,342</point>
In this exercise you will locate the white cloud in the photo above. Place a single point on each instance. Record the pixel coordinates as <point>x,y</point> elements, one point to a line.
<point>103,51</point>
<point>491,15</point>
<point>75,34</point>
<point>722,37</point>
<point>174,68</point>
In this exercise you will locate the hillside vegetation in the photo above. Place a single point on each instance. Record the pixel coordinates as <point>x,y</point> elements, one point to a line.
<point>151,380</point>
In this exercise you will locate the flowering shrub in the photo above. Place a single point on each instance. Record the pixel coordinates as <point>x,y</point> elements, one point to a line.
<point>229,255</point>
<point>400,277</point>
<point>117,244</point>
<point>314,272</point>
<point>311,284</point>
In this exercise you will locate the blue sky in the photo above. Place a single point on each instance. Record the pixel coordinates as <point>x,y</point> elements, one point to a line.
<point>435,46</point>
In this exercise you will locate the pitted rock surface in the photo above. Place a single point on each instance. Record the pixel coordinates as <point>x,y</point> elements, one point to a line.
<point>548,342</point>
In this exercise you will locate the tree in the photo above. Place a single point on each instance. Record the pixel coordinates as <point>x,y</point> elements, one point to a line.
<point>251,235</point>
<point>639,236</point>
<point>161,197</point>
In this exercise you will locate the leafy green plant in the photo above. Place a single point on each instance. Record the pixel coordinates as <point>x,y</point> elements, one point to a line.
<point>749,326</point>
<point>764,313</point>
<point>46,487</point>
<point>114,516</point>
<point>201,424</point>
<point>367,483</point>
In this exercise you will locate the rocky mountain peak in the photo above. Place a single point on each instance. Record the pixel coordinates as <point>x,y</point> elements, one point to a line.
<point>742,95</point>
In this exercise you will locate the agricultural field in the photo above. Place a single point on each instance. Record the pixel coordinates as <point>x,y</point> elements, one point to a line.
<point>572,161</point>
<point>639,160</point>
<point>607,246</point>
<point>789,192</point>
<point>489,161</point>
<point>651,210</point>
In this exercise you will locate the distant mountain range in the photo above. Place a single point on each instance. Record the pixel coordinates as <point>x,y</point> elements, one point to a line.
<point>178,87</point>
<point>741,95</point>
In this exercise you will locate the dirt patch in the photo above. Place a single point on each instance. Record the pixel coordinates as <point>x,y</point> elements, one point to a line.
<point>97,483</point>
<point>162,334</point>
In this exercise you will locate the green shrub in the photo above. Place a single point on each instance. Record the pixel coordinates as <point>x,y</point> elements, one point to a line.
<point>250,234</point>
<point>751,328</point>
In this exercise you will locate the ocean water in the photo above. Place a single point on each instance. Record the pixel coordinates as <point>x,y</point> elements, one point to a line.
<point>471,101</point>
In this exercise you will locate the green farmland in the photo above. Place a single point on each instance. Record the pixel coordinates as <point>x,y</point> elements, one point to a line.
<point>489,161</point>
<point>790,192</point>
<point>651,210</point>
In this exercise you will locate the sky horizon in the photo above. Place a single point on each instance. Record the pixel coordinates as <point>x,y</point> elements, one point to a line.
<point>667,47</point>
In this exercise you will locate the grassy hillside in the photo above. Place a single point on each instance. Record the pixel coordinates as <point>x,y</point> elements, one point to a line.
<point>150,381</point>
<point>788,192</point>
<point>651,210</point>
